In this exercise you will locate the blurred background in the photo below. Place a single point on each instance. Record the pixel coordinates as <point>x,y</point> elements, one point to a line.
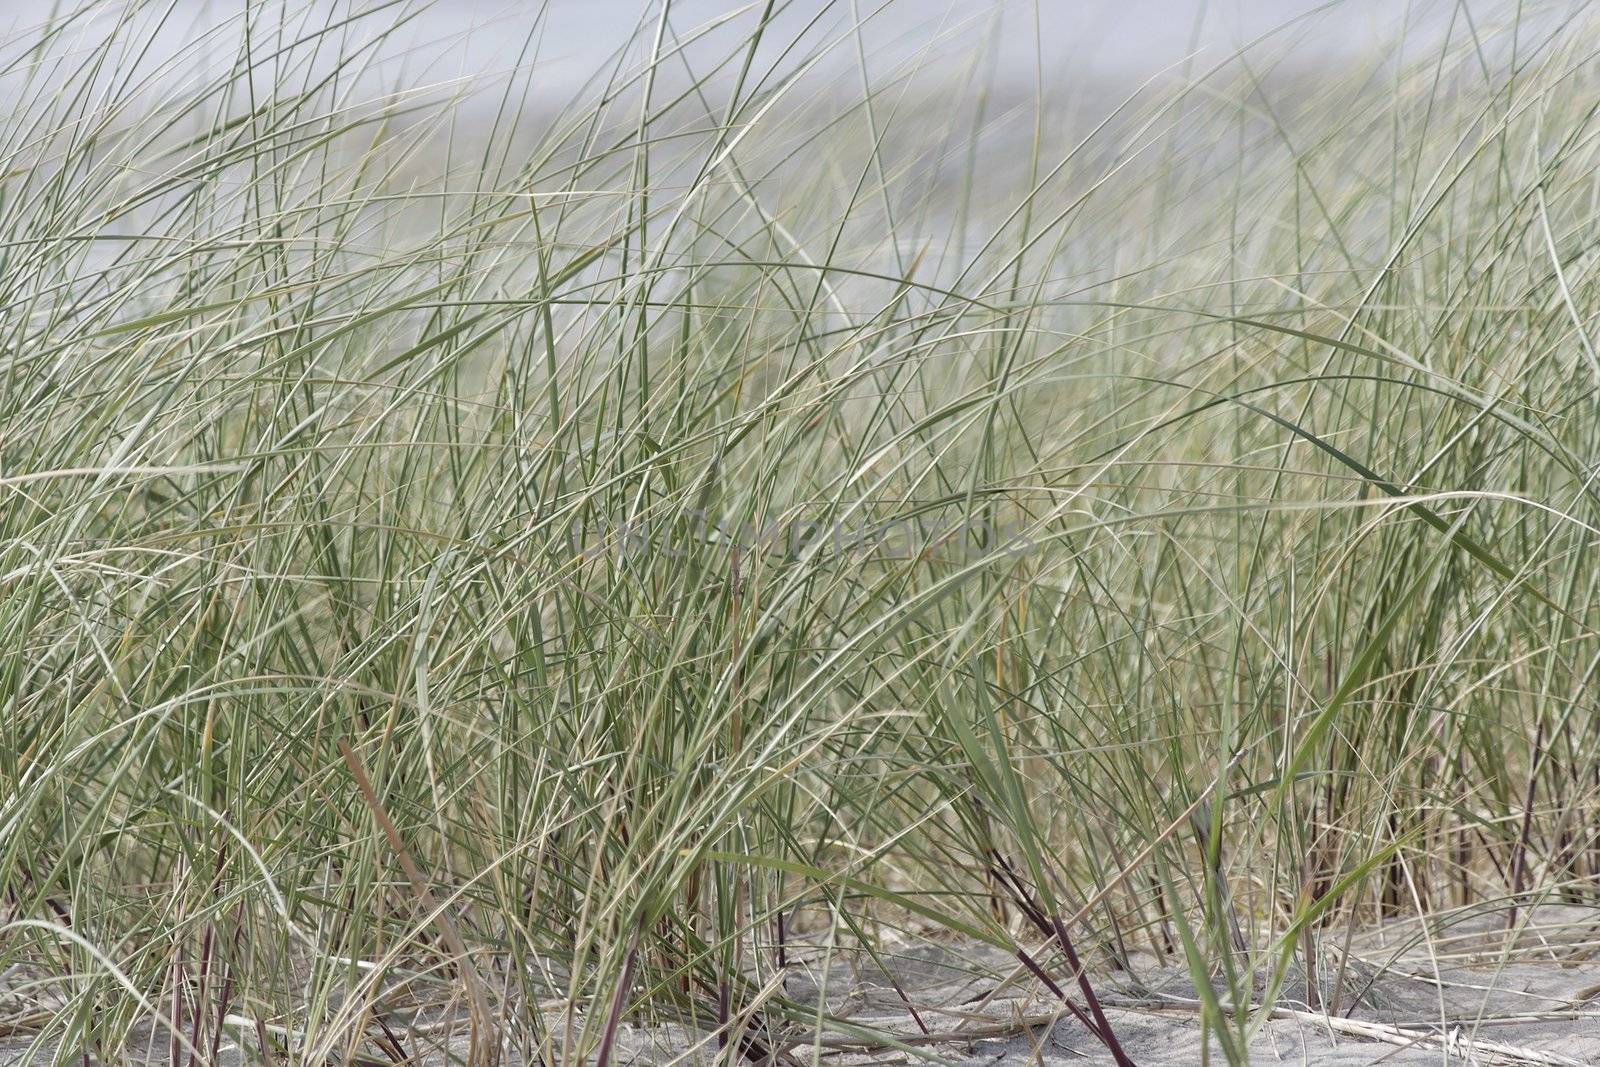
<point>1114,43</point>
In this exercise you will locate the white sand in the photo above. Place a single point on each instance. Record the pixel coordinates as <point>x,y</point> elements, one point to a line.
<point>1466,992</point>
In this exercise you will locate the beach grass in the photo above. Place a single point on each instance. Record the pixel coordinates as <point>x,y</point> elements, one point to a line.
<point>482,562</point>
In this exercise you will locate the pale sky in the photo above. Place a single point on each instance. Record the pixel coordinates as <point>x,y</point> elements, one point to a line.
<point>1115,40</point>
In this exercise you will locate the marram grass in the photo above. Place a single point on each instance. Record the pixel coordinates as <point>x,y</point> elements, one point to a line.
<point>471,561</point>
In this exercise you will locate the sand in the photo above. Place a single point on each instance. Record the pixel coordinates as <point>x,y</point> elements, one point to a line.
<point>1464,991</point>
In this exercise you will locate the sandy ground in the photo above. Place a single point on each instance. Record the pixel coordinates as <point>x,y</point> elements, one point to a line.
<point>1445,992</point>
<point>1448,992</point>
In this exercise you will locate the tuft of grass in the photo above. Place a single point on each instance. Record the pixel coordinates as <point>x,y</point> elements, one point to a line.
<point>479,569</point>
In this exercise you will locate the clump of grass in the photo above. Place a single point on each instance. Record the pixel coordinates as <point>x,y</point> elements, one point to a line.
<point>479,569</point>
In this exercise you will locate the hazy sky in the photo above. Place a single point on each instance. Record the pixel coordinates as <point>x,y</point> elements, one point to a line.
<point>1111,39</point>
